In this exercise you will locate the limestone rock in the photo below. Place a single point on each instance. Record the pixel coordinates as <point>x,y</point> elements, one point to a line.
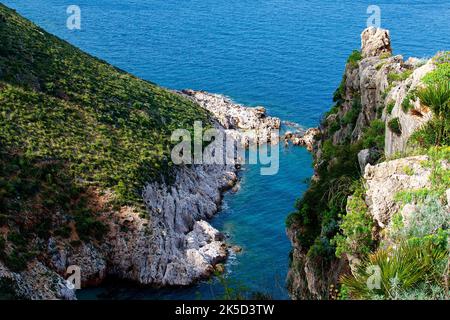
<point>375,41</point>
<point>409,121</point>
<point>38,282</point>
<point>367,156</point>
<point>386,179</point>
<point>235,116</point>
<point>307,139</point>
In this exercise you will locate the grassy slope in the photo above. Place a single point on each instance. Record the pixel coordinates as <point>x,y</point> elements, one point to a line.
<point>72,126</point>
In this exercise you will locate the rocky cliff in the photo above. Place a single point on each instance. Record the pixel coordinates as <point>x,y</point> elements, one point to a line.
<point>375,114</point>
<point>173,245</point>
<point>86,178</point>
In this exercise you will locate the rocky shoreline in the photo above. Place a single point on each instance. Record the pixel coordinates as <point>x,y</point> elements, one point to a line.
<point>376,87</point>
<point>173,245</point>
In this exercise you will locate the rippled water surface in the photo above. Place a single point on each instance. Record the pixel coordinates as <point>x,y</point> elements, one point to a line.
<point>287,55</point>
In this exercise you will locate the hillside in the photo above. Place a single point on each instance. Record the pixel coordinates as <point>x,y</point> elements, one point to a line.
<point>79,140</point>
<point>380,189</point>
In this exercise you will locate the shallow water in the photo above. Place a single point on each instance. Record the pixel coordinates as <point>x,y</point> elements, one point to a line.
<point>287,55</point>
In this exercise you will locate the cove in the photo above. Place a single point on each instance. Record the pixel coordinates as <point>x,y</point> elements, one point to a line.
<point>253,218</point>
<point>285,55</point>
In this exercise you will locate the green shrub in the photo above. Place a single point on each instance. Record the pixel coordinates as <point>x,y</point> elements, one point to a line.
<point>431,135</point>
<point>8,288</point>
<point>354,58</point>
<point>442,71</point>
<point>2,247</point>
<point>356,227</point>
<point>334,127</point>
<point>395,126</point>
<point>322,247</point>
<point>385,55</point>
<point>374,135</point>
<point>437,97</point>
<point>410,196</point>
<point>17,261</point>
<point>352,115</point>
<point>63,232</point>
<point>423,291</point>
<point>380,65</point>
<point>333,110</point>
<point>407,101</point>
<point>396,77</point>
<point>390,107</point>
<point>329,150</point>
<point>338,95</point>
<point>402,268</point>
<point>88,227</point>
<point>17,239</point>
<point>430,217</point>
<point>343,293</point>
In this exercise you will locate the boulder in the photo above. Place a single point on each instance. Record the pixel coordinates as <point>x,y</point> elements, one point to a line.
<point>375,41</point>
<point>385,180</point>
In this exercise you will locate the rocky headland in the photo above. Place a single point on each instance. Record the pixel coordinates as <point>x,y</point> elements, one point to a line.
<point>364,158</point>
<point>173,244</point>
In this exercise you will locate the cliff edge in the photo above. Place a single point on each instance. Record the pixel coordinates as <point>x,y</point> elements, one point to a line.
<point>385,109</point>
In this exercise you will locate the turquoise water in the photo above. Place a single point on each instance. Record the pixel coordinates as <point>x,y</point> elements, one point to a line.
<point>287,55</point>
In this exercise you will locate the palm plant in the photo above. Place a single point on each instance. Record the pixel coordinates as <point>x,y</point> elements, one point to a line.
<point>437,97</point>
<point>400,270</point>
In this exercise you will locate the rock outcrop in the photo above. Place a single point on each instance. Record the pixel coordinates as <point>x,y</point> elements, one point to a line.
<point>412,119</point>
<point>367,156</point>
<point>377,81</point>
<point>385,180</point>
<point>307,139</point>
<point>235,116</point>
<point>173,244</point>
<point>375,42</point>
<point>375,86</point>
<point>37,283</point>
<point>307,279</point>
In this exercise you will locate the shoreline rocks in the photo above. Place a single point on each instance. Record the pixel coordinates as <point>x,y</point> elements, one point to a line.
<point>307,139</point>
<point>173,245</point>
<point>233,116</point>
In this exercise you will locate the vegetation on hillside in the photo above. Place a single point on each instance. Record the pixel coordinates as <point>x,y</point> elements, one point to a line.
<point>436,96</point>
<point>73,128</point>
<point>413,260</point>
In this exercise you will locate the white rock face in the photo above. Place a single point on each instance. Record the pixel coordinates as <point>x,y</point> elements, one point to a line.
<point>174,245</point>
<point>409,121</point>
<point>235,116</point>
<point>386,179</point>
<point>375,41</point>
<point>38,282</point>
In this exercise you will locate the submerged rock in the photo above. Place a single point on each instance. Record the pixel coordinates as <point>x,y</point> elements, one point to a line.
<point>236,249</point>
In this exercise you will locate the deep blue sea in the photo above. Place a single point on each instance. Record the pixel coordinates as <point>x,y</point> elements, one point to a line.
<point>287,55</point>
